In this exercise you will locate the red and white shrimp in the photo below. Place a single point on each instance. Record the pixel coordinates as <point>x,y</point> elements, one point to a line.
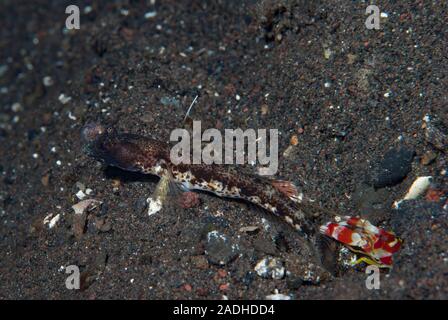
<point>374,244</point>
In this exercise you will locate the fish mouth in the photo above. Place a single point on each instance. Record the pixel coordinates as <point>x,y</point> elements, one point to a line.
<point>93,136</point>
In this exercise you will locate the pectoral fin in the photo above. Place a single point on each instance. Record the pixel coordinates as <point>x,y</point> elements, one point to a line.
<point>159,197</point>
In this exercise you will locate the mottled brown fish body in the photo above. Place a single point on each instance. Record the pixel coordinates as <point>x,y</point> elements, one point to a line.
<point>142,154</point>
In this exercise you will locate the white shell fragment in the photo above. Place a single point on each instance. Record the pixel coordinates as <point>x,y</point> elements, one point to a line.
<point>154,205</point>
<point>278,296</point>
<point>270,268</point>
<point>86,205</point>
<point>51,220</point>
<point>64,98</point>
<point>80,195</point>
<point>418,187</point>
<point>150,14</point>
<point>249,229</point>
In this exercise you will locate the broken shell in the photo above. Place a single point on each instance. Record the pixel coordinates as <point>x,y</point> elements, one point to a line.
<point>154,206</point>
<point>52,220</point>
<point>418,188</point>
<point>86,205</point>
<point>270,267</point>
<point>278,296</point>
<point>249,229</point>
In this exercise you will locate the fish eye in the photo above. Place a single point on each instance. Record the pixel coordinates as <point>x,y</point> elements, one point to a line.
<point>91,131</point>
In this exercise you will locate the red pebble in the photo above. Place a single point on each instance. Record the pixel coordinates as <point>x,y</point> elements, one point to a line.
<point>434,195</point>
<point>224,287</point>
<point>189,200</point>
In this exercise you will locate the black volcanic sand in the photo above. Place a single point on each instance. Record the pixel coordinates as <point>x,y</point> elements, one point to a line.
<point>306,68</point>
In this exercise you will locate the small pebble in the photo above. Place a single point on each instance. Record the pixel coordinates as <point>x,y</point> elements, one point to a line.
<point>294,140</point>
<point>219,249</point>
<point>428,158</point>
<point>150,14</point>
<point>16,107</point>
<point>264,109</point>
<point>270,267</point>
<point>47,81</point>
<point>64,99</point>
<point>187,287</point>
<point>249,229</point>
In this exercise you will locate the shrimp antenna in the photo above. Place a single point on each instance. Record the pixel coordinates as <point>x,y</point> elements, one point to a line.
<point>191,106</point>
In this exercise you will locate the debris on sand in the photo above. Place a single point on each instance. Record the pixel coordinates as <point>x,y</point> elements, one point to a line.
<point>64,99</point>
<point>154,205</point>
<point>249,229</point>
<point>83,191</point>
<point>51,220</point>
<point>219,249</point>
<point>435,133</point>
<point>418,188</point>
<point>47,81</point>
<point>150,14</point>
<point>79,220</point>
<point>428,158</point>
<point>270,267</point>
<point>86,206</point>
<point>278,296</point>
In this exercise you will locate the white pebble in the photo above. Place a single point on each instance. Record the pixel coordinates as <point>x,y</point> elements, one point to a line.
<point>51,221</point>
<point>154,205</point>
<point>278,296</point>
<point>64,99</point>
<point>47,81</point>
<point>16,107</point>
<point>88,9</point>
<point>80,195</point>
<point>150,14</point>
<point>418,187</point>
<point>270,268</point>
